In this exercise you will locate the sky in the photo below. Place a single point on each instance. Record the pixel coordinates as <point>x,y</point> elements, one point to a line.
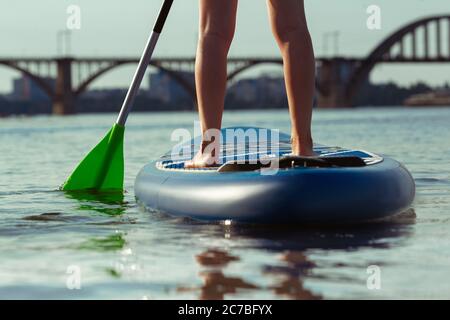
<point>120,28</point>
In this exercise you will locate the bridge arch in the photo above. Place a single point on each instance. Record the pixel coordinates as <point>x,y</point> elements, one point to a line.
<point>184,83</point>
<point>253,63</point>
<point>378,55</point>
<point>37,79</point>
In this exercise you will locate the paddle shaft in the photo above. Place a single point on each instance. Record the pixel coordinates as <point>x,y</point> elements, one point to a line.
<point>143,63</point>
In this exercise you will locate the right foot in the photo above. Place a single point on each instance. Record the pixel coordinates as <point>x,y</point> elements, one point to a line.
<point>303,148</point>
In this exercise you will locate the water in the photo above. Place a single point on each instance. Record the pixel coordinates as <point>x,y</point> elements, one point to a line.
<point>48,239</point>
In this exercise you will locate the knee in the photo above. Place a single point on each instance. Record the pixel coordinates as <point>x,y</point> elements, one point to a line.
<point>222,37</point>
<point>288,33</point>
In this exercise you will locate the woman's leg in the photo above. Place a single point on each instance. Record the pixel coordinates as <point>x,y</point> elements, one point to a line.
<point>290,29</point>
<point>216,31</point>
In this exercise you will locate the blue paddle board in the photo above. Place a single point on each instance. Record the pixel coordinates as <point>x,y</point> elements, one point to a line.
<point>258,181</point>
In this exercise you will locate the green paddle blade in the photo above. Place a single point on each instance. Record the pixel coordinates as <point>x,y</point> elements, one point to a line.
<point>103,168</point>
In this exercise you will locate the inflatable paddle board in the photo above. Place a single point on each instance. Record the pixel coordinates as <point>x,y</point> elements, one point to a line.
<point>258,181</point>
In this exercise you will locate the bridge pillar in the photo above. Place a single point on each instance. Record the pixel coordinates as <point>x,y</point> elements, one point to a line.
<point>332,78</point>
<point>64,99</point>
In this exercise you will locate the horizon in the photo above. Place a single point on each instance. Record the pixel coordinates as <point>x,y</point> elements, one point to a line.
<point>130,25</point>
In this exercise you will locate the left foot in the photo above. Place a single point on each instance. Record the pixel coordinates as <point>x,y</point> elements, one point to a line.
<point>207,156</point>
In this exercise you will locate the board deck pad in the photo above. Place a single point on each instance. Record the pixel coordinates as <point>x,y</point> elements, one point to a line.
<point>252,149</point>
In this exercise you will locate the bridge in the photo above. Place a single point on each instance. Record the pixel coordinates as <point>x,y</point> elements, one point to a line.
<point>338,79</point>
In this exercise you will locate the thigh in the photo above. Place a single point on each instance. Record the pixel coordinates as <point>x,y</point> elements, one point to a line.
<point>218,17</point>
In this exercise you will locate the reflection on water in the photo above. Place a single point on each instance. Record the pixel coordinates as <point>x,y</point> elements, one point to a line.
<point>290,276</point>
<point>215,283</point>
<point>109,203</point>
<point>113,242</point>
<point>291,264</point>
<point>346,237</point>
<point>126,252</point>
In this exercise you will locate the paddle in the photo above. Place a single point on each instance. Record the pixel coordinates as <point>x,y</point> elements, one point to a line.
<point>103,168</point>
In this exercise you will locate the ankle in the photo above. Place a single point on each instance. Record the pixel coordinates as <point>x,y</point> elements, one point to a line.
<point>205,144</point>
<point>306,141</point>
<point>302,147</point>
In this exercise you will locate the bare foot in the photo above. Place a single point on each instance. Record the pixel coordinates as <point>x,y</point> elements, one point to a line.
<point>302,148</point>
<point>207,156</point>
